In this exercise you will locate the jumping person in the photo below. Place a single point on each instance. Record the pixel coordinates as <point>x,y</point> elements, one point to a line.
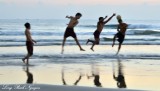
<point>70,30</point>
<point>98,31</point>
<point>122,27</point>
<point>29,43</point>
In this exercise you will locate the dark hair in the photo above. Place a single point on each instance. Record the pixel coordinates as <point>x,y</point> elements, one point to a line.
<point>27,25</point>
<point>120,20</point>
<point>78,14</point>
<point>100,18</point>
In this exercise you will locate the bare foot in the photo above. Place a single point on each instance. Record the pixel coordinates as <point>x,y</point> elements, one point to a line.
<point>92,49</point>
<point>82,49</point>
<point>87,41</point>
<point>23,59</point>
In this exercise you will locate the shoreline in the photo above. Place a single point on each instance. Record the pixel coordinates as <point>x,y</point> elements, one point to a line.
<point>104,51</point>
<point>47,64</point>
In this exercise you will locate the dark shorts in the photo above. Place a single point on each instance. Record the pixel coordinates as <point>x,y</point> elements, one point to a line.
<point>29,47</point>
<point>69,32</point>
<point>120,37</point>
<point>96,34</point>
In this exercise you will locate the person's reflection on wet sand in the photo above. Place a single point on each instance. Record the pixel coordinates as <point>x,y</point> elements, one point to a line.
<point>77,81</point>
<point>120,78</point>
<point>64,82</point>
<point>29,75</point>
<point>95,74</point>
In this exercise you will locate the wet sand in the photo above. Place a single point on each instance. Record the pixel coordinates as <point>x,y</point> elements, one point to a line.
<point>48,66</point>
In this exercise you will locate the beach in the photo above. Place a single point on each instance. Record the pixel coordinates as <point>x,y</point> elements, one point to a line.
<point>140,66</point>
<point>33,34</point>
<point>137,67</point>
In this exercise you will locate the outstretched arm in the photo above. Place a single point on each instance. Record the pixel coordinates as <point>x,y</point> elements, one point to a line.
<point>114,77</point>
<point>105,17</point>
<point>109,18</point>
<point>69,17</point>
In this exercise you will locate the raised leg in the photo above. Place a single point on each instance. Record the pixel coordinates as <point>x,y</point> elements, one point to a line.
<point>89,41</point>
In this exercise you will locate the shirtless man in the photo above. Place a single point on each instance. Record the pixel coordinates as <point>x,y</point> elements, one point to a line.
<point>98,31</point>
<point>70,30</point>
<point>29,43</point>
<point>122,27</point>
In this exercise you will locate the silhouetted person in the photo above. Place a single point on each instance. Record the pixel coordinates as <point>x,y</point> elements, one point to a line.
<point>29,75</point>
<point>122,27</point>
<point>95,74</point>
<point>98,31</point>
<point>29,43</point>
<point>64,82</point>
<point>120,78</point>
<point>70,30</point>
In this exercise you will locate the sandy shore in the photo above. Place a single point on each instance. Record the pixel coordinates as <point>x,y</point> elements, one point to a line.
<point>141,66</point>
<point>73,49</point>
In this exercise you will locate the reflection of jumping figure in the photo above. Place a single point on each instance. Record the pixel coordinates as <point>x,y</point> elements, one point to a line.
<point>120,78</point>
<point>64,82</point>
<point>95,74</point>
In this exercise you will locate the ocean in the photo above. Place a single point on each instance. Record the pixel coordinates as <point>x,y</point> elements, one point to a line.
<point>139,54</point>
<point>51,31</point>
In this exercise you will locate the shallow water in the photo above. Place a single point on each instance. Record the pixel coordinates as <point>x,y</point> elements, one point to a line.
<point>139,73</point>
<point>50,32</point>
<point>140,66</point>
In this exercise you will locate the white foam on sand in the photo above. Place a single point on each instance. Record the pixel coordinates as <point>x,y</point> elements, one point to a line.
<point>44,87</point>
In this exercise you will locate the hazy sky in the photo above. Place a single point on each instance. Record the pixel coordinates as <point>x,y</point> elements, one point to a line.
<point>91,9</point>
